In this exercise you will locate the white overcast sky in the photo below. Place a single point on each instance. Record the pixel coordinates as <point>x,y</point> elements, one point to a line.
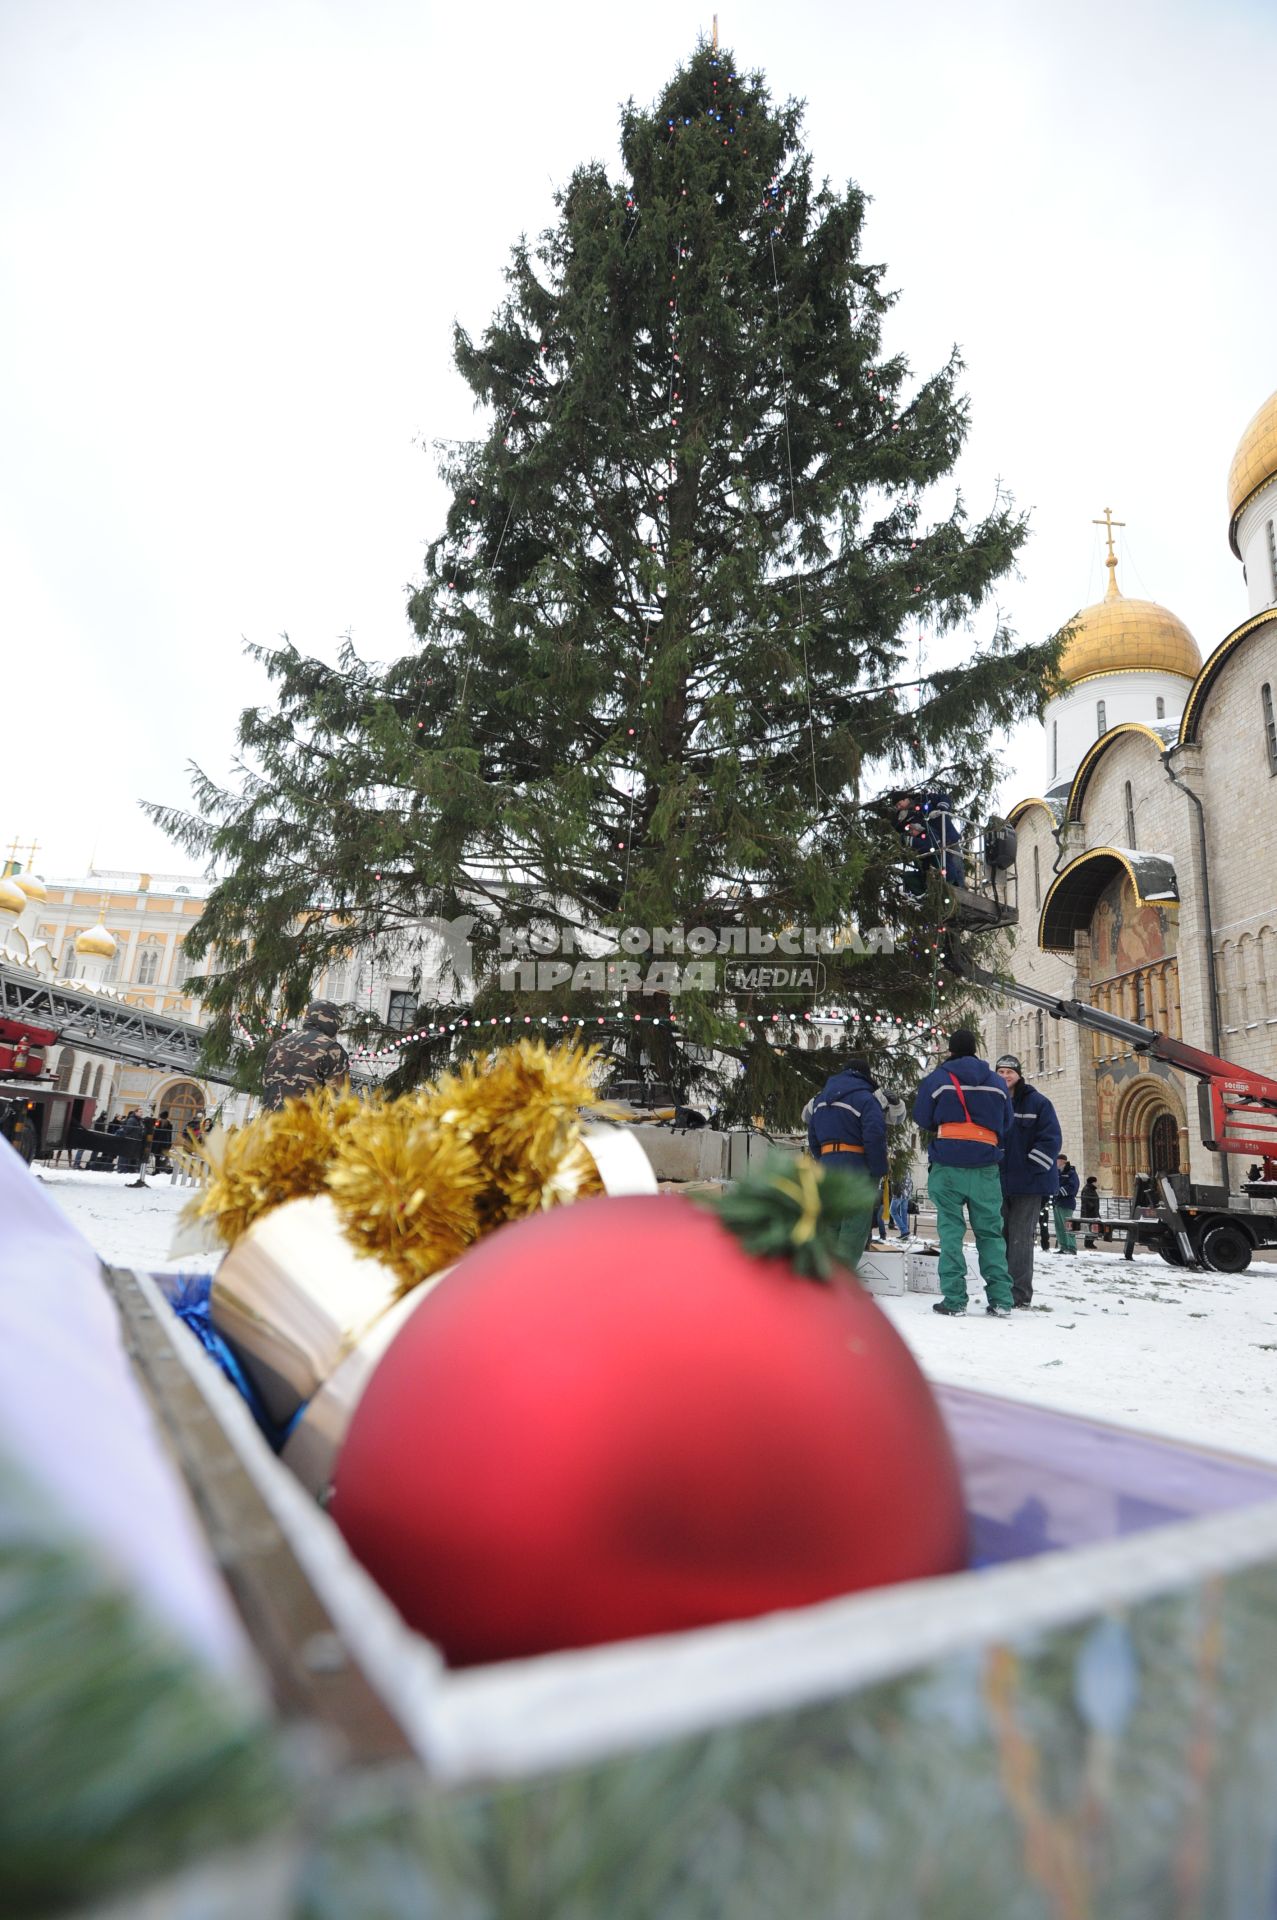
<point>234,235</point>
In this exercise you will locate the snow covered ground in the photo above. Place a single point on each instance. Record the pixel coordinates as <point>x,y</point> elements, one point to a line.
<point>128,1226</point>
<point>1141,1344</point>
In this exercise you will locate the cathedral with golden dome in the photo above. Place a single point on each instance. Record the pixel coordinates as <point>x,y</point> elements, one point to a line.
<point>1137,889</point>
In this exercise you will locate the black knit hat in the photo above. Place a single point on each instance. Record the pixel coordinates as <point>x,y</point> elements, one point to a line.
<point>962,1041</point>
<point>856,1063</point>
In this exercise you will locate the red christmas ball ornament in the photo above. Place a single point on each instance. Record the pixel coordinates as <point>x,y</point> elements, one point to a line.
<point>612,1420</point>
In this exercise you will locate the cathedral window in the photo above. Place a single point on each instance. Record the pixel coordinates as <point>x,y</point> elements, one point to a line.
<point>1039,1041</point>
<point>1130,816</point>
<point>1270,726</point>
<point>1101,721</point>
<point>1055,750</point>
<point>1161,707</point>
<point>400,1012</point>
<point>1272,557</point>
<point>1037,881</point>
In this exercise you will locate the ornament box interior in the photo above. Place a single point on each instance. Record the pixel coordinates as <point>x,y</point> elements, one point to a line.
<point>1085,1722</point>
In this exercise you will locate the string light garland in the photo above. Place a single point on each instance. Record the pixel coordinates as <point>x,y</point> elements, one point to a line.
<point>880,1019</point>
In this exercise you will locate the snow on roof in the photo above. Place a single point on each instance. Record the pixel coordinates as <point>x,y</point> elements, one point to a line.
<point>1154,873</point>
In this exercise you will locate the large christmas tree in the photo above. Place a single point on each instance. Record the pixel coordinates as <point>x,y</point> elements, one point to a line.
<point>668,642</point>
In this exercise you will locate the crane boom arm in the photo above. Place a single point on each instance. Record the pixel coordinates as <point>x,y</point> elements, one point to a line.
<point>1230,1097</point>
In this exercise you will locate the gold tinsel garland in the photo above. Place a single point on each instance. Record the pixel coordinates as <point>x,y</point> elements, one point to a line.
<point>416,1180</point>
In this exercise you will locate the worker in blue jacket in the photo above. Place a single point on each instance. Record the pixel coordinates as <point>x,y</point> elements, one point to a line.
<point>966,1109</point>
<point>1029,1173</point>
<point>1062,1206</point>
<point>847,1130</point>
<point>930,835</point>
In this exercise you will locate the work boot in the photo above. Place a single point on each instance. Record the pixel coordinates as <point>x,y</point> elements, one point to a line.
<point>998,1313</point>
<point>942,1306</point>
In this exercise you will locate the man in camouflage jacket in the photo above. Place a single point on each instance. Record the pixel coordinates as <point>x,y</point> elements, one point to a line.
<point>312,1056</point>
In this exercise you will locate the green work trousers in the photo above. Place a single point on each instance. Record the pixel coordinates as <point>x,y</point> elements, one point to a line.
<point>853,1234</point>
<point>980,1190</point>
<point>1064,1240</point>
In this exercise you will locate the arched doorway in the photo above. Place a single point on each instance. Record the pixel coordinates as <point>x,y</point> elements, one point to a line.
<point>1150,1131</point>
<point>1163,1144</point>
<point>183,1099</point>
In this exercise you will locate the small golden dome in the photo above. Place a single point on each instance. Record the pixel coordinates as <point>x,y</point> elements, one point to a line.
<point>96,940</point>
<point>12,898</point>
<point>32,885</point>
<point>1254,463</point>
<point>1118,635</point>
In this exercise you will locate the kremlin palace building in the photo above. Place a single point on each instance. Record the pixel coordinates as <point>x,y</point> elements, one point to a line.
<point>1146,869</point>
<point>122,933</point>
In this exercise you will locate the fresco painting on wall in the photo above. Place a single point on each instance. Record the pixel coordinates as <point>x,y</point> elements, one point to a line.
<point>1106,1098</point>
<point>1125,936</point>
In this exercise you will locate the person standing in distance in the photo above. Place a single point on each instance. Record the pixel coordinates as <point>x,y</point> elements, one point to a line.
<point>311,1056</point>
<point>1062,1206</point>
<point>966,1109</point>
<point>1028,1172</point>
<point>847,1130</point>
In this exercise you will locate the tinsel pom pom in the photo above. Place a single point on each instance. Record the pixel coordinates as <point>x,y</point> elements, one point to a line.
<point>415,1180</point>
<point>279,1156</point>
<point>407,1190</point>
<point>520,1108</point>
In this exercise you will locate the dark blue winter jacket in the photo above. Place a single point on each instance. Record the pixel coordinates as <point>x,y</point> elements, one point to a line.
<point>846,1111</point>
<point>939,1106</point>
<point>1033,1144</point>
<point>1069,1184</point>
<point>944,835</point>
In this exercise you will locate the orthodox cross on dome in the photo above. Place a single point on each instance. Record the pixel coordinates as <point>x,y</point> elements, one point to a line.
<point>1108,523</point>
<point>11,862</point>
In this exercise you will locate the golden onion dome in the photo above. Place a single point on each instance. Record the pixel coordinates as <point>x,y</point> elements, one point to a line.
<point>12,898</point>
<point>1118,635</point>
<point>96,940</point>
<point>32,885</point>
<point>1254,464</point>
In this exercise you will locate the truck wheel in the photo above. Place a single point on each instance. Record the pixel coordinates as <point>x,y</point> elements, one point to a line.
<point>1168,1246</point>
<point>1225,1248</point>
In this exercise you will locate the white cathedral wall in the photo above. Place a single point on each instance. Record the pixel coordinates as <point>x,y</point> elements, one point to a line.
<point>1156,808</point>
<point>1012,1028</point>
<point>1240,793</point>
<point>1072,720</point>
<point>1164,823</point>
<point>1256,546</point>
